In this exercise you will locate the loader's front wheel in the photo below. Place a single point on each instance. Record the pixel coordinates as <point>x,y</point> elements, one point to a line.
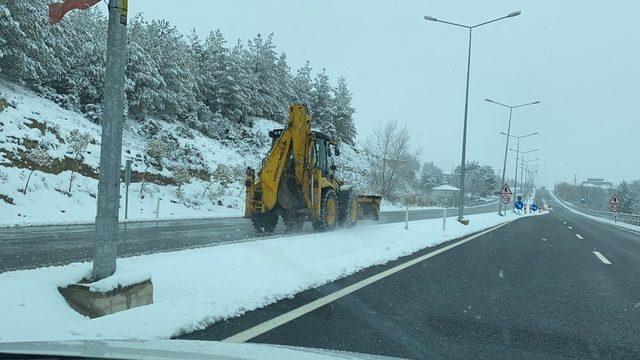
<point>328,212</point>
<point>264,223</point>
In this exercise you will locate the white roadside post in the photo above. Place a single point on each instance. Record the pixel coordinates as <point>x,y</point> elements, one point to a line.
<point>107,229</point>
<point>406,217</point>
<point>158,208</point>
<point>444,218</point>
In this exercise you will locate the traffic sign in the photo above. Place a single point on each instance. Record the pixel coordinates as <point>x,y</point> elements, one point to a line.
<point>534,207</point>
<point>519,205</point>
<point>614,207</point>
<point>505,199</point>
<point>505,190</point>
<point>615,200</point>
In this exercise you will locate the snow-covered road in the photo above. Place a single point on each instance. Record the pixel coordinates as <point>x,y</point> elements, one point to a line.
<point>197,287</point>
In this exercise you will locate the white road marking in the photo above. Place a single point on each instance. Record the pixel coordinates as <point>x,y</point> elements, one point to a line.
<point>579,236</point>
<point>309,307</point>
<point>602,258</point>
<point>544,239</point>
<point>570,228</point>
<point>564,222</point>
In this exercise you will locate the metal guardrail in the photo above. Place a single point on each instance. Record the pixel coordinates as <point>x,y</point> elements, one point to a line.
<point>630,219</point>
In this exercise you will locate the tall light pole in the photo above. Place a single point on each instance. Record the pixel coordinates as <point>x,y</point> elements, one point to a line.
<point>506,148</point>
<point>524,163</point>
<point>522,153</point>
<point>466,101</point>
<point>515,179</point>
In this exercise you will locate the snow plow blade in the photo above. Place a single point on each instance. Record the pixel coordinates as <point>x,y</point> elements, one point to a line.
<point>369,207</point>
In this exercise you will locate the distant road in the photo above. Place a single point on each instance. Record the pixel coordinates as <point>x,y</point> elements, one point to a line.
<point>37,246</point>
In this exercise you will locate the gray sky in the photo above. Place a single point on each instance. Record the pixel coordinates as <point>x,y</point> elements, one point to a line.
<point>579,58</point>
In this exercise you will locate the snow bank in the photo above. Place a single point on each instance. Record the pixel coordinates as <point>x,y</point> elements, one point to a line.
<point>196,288</point>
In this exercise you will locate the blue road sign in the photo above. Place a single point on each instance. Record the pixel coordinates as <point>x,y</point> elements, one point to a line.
<point>519,205</point>
<point>534,207</point>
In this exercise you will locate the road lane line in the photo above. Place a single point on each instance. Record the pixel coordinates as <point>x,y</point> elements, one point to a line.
<point>579,236</point>
<point>570,228</point>
<point>309,307</point>
<point>564,222</point>
<point>602,258</point>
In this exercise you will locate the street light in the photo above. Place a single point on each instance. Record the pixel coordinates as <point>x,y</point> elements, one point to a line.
<point>515,179</point>
<point>506,148</point>
<point>466,101</point>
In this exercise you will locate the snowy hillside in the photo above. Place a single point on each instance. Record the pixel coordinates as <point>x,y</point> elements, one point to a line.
<point>212,170</point>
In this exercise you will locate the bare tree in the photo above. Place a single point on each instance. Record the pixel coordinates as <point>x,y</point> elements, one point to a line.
<point>41,158</point>
<point>390,159</point>
<point>78,143</point>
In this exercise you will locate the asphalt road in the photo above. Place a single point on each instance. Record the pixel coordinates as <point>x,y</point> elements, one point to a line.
<point>37,246</point>
<point>532,289</point>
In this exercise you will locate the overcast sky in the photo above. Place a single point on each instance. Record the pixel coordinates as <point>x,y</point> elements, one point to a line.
<point>579,58</point>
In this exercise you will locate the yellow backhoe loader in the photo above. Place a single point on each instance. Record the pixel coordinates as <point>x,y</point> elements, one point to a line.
<point>297,182</point>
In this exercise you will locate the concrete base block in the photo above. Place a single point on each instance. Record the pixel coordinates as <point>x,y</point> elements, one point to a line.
<point>95,304</point>
<point>464,221</point>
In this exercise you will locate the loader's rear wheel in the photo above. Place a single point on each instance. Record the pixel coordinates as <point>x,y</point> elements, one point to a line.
<point>293,221</point>
<point>348,207</point>
<point>264,223</point>
<point>328,212</point>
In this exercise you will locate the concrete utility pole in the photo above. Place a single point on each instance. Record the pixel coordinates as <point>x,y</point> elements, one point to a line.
<point>106,251</point>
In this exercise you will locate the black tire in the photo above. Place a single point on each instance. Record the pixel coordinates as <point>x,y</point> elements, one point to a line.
<point>264,223</point>
<point>348,208</point>
<point>293,221</point>
<point>328,217</point>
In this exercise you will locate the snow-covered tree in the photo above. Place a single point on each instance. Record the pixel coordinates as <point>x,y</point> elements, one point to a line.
<point>322,104</point>
<point>387,151</point>
<point>430,176</point>
<point>629,198</point>
<point>181,176</point>
<point>343,120</point>
<point>78,143</point>
<point>40,159</point>
<point>156,150</point>
<point>301,84</point>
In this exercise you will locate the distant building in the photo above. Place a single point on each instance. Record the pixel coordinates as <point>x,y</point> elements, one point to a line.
<point>598,183</point>
<point>444,193</point>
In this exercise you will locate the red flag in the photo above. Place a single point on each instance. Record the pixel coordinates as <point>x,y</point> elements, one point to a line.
<point>58,10</point>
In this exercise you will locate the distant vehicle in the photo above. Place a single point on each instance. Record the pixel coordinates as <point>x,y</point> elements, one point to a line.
<point>297,181</point>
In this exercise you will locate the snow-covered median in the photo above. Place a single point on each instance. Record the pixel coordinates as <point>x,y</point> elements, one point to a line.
<point>195,288</point>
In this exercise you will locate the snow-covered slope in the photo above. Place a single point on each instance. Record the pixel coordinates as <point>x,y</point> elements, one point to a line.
<point>216,166</point>
<point>28,122</point>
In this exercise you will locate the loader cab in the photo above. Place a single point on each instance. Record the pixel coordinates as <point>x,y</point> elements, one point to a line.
<point>326,150</point>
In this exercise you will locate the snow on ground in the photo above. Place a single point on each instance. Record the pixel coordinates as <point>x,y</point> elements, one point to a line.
<point>196,288</point>
<point>389,206</point>
<point>600,219</point>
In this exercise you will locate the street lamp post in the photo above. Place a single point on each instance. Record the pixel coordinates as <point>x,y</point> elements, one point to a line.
<point>466,101</point>
<point>524,165</point>
<point>515,179</point>
<point>506,148</point>
<point>521,153</point>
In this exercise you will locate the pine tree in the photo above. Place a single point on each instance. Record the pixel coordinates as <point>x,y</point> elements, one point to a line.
<point>322,104</point>
<point>343,120</point>
<point>301,84</point>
